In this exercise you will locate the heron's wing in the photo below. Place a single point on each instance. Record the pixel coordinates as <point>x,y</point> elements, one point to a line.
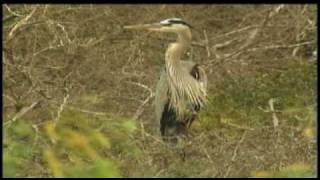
<point>165,115</point>
<point>199,74</point>
<point>196,71</point>
<point>161,96</point>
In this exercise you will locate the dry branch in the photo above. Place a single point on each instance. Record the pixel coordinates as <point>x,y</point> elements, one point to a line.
<point>83,110</point>
<point>234,32</point>
<point>282,46</point>
<point>21,22</point>
<point>61,107</point>
<point>271,109</point>
<point>21,113</point>
<point>207,43</point>
<point>12,12</point>
<point>48,48</point>
<point>274,116</point>
<point>143,86</point>
<point>235,152</point>
<point>251,38</point>
<point>237,147</point>
<point>10,98</point>
<point>151,95</point>
<point>224,121</point>
<point>140,109</point>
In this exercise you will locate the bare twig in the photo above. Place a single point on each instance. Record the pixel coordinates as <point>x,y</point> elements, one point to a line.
<point>282,46</point>
<point>251,38</point>
<point>151,95</point>
<point>21,113</point>
<point>61,107</point>
<point>86,111</point>
<point>92,42</point>
<point>21,22</point>
<point>237,147</point>
<point>143,86</point>
<point>274,116</point>
<point>10,98</point>
<point>235,152</point>
<point>36,129</point>
<point>221,45</point>
<point>48,48</point>
<point>95,113</point>
<point>207,43</point>
<point>153,137</point>
<point>158,174</point>
<point>224,44</point>
<point>6,19</point>
<point>12,12</point>
<point>224,121</point>
<point>64,31</point>
<point>140,109</point>
<point>207,154</point>
<point>235,31</point>
<point>271,109</point>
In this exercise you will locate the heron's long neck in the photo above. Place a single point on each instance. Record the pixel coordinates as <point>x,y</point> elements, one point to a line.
<point>176,50</point>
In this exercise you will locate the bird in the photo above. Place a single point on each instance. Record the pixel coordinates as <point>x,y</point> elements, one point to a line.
<point>182,88</point>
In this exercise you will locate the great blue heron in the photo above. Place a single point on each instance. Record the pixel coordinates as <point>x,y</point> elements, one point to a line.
<point>181,90</point>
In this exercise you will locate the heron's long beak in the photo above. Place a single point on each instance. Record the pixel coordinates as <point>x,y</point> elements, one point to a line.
<point>148,27</point>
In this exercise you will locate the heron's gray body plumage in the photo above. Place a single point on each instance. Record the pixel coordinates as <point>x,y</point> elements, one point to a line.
<point>181,90</point>
<point>170,121</point>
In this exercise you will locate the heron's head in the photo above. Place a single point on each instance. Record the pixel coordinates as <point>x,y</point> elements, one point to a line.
<point>174,25</point>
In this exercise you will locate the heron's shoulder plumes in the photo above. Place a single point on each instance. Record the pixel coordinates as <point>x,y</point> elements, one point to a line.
<point>185,89</point>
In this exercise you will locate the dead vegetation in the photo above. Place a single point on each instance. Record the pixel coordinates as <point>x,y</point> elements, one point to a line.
<point>63,63</point>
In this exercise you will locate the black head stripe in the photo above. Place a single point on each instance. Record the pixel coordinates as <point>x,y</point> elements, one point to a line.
<point>173,21</point>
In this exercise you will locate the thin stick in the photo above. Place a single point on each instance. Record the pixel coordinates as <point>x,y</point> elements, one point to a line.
<point>140,109</point>
<point>83,110</point>
<point>236,126</point>
<point>207,43</point>
<point>237,147</point>
<point>235,31</point>
<point>251,38</point>
<point>21,113</point>
<point>61,107</point>
<point>235,153</point>
<point>22,22</point>
<point>274,116</point>
<point>12,12</point>
<point>281,46</point>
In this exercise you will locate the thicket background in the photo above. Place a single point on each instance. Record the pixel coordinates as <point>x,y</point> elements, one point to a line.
<point>79,89</point>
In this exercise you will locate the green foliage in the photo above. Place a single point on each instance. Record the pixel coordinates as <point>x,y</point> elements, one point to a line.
<point>243,99</point>
<point>86,140</point>
<point>18,147</point>
<point>76,146</point>
<point>244,104</point>
<point>296,170</point>
<point>97,169</point>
